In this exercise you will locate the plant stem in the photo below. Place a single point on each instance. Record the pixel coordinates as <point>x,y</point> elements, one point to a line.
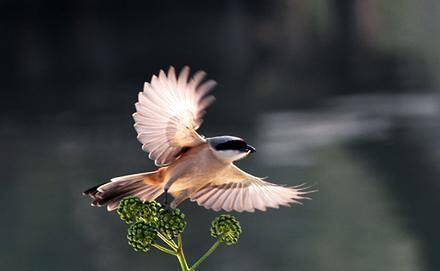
<point>167,241</point>
<point>166,250</point>
<point>182,261</point>
<point>180,251</point>
<point>206,255</point>
<point>177,250</point>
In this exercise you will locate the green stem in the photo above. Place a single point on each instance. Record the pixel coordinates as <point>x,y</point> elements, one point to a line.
<point>206,255</point>
<point>167,241</point>
<point>182,262</point>
<point>177,250</point>
<point>180,251</point>
<point>166,250</point>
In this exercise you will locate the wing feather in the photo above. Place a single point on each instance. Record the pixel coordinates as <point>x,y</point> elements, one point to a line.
<point>236,190</point>
<point>169,111</point>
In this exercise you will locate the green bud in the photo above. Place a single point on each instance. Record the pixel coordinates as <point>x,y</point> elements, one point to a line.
<point>171,223</point>
<point>141,235</point>
<point>226,229</point>
<point>151,212</point>
<point>130,209</point>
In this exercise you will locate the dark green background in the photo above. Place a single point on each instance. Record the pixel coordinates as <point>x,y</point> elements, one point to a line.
<point>343,95</point>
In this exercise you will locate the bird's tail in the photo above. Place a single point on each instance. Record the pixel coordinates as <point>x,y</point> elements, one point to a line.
<point>146,186</point>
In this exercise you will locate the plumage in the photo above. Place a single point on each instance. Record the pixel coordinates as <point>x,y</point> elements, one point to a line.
<point>147,186</point>
<point>239,191</point>
<point>169,110</point>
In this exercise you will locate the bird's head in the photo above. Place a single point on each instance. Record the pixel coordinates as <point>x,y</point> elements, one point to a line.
<point>229,148</point>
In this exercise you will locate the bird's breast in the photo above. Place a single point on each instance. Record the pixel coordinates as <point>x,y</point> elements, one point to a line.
<point>194,169</point>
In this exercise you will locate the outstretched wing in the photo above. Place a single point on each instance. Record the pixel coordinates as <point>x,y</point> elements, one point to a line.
<point>169,111</point>
<point>236,190</point>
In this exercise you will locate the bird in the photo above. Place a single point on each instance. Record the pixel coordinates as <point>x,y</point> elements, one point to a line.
<point>190,166</point>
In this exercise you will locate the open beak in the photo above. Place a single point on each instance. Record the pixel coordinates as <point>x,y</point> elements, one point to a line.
<point>250,149</point>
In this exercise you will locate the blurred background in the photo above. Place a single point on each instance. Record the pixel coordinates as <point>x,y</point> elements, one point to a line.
<point>341,94</point>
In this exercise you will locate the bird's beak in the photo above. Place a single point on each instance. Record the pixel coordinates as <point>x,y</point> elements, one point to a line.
<point>250,149</point>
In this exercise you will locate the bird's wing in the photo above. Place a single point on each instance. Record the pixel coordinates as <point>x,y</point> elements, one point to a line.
<point>169,111</point>
<point>236,190</point>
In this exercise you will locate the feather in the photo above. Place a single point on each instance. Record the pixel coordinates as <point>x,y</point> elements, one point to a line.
<point>236,190</point>
<point>168,112</point>
<point>147,186</point>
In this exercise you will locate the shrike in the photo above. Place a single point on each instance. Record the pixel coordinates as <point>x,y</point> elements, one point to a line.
<point>168,113</point>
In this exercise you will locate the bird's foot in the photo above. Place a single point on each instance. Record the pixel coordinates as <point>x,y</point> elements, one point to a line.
<point>166,202</point>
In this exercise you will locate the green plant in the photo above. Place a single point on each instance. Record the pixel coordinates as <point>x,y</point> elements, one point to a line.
<point>150,222</point>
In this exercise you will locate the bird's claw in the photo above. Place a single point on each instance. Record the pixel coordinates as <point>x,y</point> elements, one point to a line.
<point>166,203</point>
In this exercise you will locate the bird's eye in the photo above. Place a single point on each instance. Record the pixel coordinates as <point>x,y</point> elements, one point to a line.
<point>237,145</point>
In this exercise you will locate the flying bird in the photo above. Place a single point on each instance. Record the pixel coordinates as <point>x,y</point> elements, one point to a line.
<point>168,113</point>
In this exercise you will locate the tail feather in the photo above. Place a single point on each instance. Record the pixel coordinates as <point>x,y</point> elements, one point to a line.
<point>147,186</point>
<point>93,190</point>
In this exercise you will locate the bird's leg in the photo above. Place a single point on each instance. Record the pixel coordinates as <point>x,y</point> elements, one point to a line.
<point>166,188</point>
<point>165,202</point>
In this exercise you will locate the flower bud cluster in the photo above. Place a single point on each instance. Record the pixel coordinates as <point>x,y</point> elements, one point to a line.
<point>147,220</point>
<point>141,235</point>
<point>171,223</point>
<point>226,229</point>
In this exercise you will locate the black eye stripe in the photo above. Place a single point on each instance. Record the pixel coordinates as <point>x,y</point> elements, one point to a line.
<point>231,145</point>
